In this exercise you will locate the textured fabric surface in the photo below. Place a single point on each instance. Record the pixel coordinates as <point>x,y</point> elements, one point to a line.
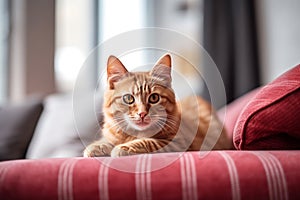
<point>271,119</point>
<point>192,175</point>
<point>230,113</point>
<point>17,125</point>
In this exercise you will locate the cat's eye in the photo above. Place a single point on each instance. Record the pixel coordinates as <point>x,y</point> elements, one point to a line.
<point>128,99</point>
<point>154,98</point>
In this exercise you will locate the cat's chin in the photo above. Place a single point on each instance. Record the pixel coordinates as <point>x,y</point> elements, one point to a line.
<point>141,125</point>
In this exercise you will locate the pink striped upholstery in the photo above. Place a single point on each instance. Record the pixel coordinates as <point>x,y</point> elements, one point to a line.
<point>192,175</point>
<point>231,112</point>
<point>271,119</point>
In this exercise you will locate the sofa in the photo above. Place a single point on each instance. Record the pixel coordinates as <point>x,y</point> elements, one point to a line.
<point>44,161</point>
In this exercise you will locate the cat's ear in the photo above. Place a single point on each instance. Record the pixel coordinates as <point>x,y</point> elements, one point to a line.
<point>115,70</point>
<point>162,70</point>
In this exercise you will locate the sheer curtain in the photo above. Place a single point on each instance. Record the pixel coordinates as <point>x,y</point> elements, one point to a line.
<point>4,40</point>
<point>230,38</point>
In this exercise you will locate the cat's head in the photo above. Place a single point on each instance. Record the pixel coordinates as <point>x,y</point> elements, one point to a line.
<point>140,101</point>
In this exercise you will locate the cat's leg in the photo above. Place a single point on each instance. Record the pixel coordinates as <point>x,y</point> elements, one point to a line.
<point>98,148</point>
<point>138,146</point>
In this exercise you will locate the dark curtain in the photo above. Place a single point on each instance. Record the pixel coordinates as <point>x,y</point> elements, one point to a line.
<point>230,38</point>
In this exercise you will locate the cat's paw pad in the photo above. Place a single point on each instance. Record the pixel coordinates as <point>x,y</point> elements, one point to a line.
<point>122,150</point>
<point>97,150</point>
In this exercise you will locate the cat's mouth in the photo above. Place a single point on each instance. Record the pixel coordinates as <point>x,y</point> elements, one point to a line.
<point>142,123</point>
<point>139,123</point>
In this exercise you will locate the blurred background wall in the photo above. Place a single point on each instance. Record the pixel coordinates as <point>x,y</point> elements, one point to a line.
<point>279,31</point>
<point>45,42</point>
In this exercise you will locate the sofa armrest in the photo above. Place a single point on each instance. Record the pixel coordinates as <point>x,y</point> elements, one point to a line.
<point>191,175</point>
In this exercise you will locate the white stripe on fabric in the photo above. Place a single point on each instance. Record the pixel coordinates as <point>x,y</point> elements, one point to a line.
<point>188,177</point>
<point>103,179</point>
<point>65,179</point>
<point>143,177</point>
<point>234,177</point>
<point>282,192</point>
<point>183,178</point>
<point>283,188</point>
<point>193,177</point>
<point>269,175</point>
<point>148,177</point>
<point>2,175</point>
<point>138,186</point>
<point>275,175</point>
<point>3,172</point>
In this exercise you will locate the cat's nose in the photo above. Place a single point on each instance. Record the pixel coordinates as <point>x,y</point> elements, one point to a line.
<point>142,114</point>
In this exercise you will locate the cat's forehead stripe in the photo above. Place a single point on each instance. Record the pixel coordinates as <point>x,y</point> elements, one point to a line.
<point>141,85</point>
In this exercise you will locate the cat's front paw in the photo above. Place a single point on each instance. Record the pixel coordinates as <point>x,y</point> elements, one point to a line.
<point>97,150</point>
<point>122,150</point>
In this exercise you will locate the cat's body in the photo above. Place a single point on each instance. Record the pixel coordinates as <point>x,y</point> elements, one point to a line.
<point>141,115</point>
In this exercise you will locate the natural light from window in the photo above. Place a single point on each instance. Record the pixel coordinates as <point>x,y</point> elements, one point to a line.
<point>74,40</point>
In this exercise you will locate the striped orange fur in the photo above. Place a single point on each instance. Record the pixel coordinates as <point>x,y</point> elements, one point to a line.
<point>141,115</point>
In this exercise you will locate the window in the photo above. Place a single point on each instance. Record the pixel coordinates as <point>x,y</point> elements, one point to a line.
<point>75,38</point>
<point>117,17</point>
<point>80,25</point>
<point>4,38</point>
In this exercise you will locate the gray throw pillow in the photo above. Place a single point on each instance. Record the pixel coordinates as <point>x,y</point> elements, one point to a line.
<point>17,125</point>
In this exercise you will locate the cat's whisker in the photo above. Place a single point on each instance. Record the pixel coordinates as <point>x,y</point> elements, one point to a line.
<point>117,124</point>
<point>164,125</point>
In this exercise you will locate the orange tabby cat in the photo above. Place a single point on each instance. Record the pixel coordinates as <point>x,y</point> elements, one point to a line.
<point>141,115</point>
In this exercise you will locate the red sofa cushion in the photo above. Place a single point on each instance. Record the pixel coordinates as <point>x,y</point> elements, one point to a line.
<point>191,175</point>
<point>271,119</point>
<point>230,113</point>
